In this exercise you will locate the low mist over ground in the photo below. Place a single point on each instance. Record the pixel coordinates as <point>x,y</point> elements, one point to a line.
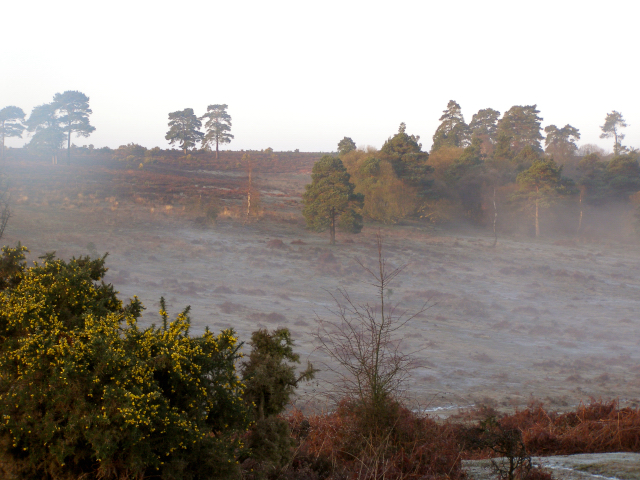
<point>553,318</point>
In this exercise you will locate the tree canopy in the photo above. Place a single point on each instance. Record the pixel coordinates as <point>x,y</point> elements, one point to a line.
<point>521,124</point>
<point>330,201</point>
<point>405,154</point>
<point>47,134</point>
<point>73,112</point>
<point>184,128</point>
<point>11,119</point>
<point>453,131</point>
<point>218,126</point>
<point>345,146</point>
<point>613,122</point>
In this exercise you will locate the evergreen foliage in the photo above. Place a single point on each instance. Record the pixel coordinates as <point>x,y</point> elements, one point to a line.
<point>407,159</point>
<point>345,146</point>
<point>218,126</point>
<point>613,122</point>
<point>271,379</point>
<point>11,119</point>
<point>73,112</point>
<point>329,197</point>
<point>541,183</point>
<point>86,393</point>
<point>48,135</point>
<point>387,199</point>
<point>522,125</point>
<point>184,128</point>
<point>453,131</point>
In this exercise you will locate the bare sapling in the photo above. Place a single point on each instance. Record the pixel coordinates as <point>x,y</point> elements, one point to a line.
<point>363,344</point>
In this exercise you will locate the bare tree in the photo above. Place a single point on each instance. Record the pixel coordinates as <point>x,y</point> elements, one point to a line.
<point>364,343</point>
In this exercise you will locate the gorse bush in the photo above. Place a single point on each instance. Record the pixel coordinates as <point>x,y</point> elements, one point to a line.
<point>86,393</point>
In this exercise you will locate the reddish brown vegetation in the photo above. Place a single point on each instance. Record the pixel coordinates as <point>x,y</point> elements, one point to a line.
<point>595,428</point>
<point>336,445</point>
<point>415,447</point>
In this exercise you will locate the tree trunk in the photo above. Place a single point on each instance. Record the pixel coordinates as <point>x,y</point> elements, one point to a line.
<point>580,219</point>
<point>495,219</point>
<point>216,148</point>
<point>3,143</point>
<point>69,147</point>
<point>537,215</point>
<point>332,225</point>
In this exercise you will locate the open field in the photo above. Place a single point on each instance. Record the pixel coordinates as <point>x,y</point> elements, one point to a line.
<point>555,319</point>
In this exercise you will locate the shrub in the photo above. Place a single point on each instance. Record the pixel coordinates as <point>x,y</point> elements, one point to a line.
<point>85,392</point>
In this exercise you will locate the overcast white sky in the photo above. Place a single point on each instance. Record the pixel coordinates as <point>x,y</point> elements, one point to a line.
<point>300,74</point>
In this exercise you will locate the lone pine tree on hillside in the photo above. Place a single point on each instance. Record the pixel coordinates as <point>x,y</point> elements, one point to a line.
<point>613,122</point>
<point>330,201</point>
<point>218,126</point>
<point>184,128</point>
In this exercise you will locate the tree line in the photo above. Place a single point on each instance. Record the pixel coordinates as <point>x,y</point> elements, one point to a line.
<point>50,123</point>
<point>493,165</point>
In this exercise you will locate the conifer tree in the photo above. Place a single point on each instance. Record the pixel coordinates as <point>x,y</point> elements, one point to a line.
<point>184,128</point>
<point>73,112</point>
<point>330,201</point>
<point>11,119</point>
<point>453,131</point>
<point>218,126</point>
<point>613,122</point>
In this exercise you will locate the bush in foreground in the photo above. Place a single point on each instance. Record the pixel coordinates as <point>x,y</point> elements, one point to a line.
<point>86,393</point>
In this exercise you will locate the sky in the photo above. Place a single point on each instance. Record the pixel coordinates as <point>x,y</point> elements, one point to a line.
<point>303,75</point>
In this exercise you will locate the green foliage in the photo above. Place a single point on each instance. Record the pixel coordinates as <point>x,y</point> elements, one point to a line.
<point>407,159</point>
<point>613,122</point>
<point>218,126</point>
<point>541,184</point>
<point>270,378</point>
<point>184,128</point>
<point>453,131</point>
<point>484,124</point>
<point>467,176</point>
<point>522,125</point>
<point>270,373</point>
<point>526,158</point>
<point>593,178</point>
<point>623,175</point>
<point>387,199</point>
<point>43,123</point>
<point>561,141</point>
<point>345,146</point>
<point>329,196</point>
<point>11,119</point>
<point>542,175</point>
<point>73,114</point>
<point>84,392</point>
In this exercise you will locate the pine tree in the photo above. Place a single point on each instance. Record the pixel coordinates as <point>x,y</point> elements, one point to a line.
<point>218,126</point>
<point>453,131</point>
<point>330,201</point>
<point>184,128</point>
<point>11,119</point>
